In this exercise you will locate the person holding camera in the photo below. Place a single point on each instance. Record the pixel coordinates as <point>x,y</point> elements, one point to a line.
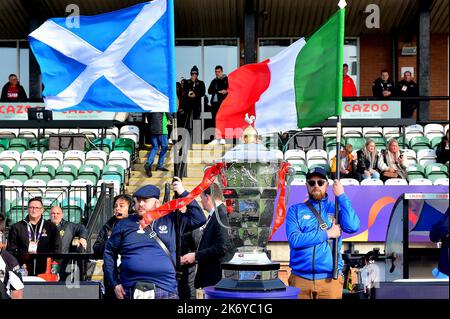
<point>310,226</point>
<point>148,264</point>
<point>193,92</point>
<point>395,163</point>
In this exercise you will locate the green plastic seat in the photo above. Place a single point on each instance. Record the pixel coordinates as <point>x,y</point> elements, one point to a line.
<point>125,144</point>
<point>21,172</point>
<point>18,144</point>
<point>41,146</point>
<point>434,171</point>
<point>67,172</point>
<point>415,171</point>
<point>357,142</point>
<point>44,172</point>
<point>403,142</point>
<point>89,172</point>
<point>330,143</point>
<point>418,143</point>
<point>73,209</point>
<point>105,144</point>
<point>112,169</point>
<point>4,144</point>
<point>5,171</point>
<point>435,142</point>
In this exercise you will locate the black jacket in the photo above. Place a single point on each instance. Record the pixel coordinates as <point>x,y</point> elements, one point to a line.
<point>405,88</point>
<point>22,95</point>
<point>155,122</point>
<point>69,230</point>
<point>363,163</point>
<point>103,235</point>
<point>50,242</point>
<point>442,153</point>
<point>216,86</point>
<point>199,89</point>
<point>379,86</point>
<point>215,247</point>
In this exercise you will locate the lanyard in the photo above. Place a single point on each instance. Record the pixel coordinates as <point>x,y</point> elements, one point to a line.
<point>37,236</point>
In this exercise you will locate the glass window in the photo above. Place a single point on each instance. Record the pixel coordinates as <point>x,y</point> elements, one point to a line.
<point>268,48</point>
<point>10,64</point>
<point>351,58</point>
<point>187,54</point>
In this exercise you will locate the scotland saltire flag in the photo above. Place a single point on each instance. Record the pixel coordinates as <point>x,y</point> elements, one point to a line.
<point>118,61</point>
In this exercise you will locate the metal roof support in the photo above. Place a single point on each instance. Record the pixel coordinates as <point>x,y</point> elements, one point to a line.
<point>249,32</point>
<point>423,57</point>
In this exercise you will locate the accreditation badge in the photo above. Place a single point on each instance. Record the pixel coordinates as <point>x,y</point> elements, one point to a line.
<point>61,233</point>
<point>32,247</point>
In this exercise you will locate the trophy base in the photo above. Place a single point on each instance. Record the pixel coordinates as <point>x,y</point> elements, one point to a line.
<point>250,285</point>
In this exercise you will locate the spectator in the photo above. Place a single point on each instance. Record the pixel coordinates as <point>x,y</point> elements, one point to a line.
<point>34,235</point>
<point>215,245</point>
<point>72,235</point>
<point>13,91</point>
<point>193,91</point>
<point>11,285</point>
<point>218,89</point>
<point>442,151</point>
<point>347,166</point>
<point>186,282</point>
<point>309,226</point>
<point>439,233</point>
<point>395,162</point>
<point>147,257</point>
<point>348,86</point>
<point>383,87</point>
<point>369,162</point>
<point>407,87</point>
<point>157,122</point>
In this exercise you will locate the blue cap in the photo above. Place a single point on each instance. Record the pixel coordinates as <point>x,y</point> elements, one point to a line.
<point>147,191</point>
<point>317,171</point>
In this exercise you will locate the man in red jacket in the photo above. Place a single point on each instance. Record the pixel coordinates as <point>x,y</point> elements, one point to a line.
<point>348,86</point>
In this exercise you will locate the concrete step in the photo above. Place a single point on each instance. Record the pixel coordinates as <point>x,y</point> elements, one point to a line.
<point>207,146</point>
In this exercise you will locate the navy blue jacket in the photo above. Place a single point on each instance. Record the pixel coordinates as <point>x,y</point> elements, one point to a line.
<point>142,259</point>
<point>439,232</point>
<point>311,255</point>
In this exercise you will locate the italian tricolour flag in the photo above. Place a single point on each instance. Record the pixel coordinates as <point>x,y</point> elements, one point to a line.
<point>299,87</point>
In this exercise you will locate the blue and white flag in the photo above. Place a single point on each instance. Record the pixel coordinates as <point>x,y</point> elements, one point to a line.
<point>118,61</point>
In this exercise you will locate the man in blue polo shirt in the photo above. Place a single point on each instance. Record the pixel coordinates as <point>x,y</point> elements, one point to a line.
<point>143,258</point>
<point>309,227</point>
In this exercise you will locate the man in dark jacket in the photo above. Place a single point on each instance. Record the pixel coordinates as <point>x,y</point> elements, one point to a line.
<point>439,232</point>
<point>34,235</point>
<point>13,91</point>
<point>157,122</point>
<point>215,245</point>
<point>193,92</point>
<point>218,89</point>
<point>383,87</point>
<point>407,87</point>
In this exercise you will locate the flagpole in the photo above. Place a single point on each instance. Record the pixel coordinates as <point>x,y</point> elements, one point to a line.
<point>336,202</point>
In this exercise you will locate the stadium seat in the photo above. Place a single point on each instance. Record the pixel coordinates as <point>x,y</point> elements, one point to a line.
<point>435,142</point>
<point>329,132</point>
<point>357,142</point>
<point>410,155</point>
<point>352,132</point>
<point>435,171</point>
<point>371,182</point>
<point>295,155</point>
<point>112,133</point>
<point>34,188</point>
<point>4,144</point>
<point>5,171</point>
<point>53,158</point>
<point>122,158</point>
<point>403,142</point>
<point>330,144</point>
<point>57,188</point>
<point>380,142</point>
<point>90,133</point>
<point>441,181</point>
<point>112,169</point>
<point>370,132</point>
<point>105,144</point>
<point>13,190</point>
<point>125,144</point>
<point>349,182</point>
<point>419,143</point>
<point>9,158</point>
<point>426,156</point>
<point>97,158</point>
<point>396,182</point>
<point>9,133</point>
<point>44,172</point>
<point>300,168</point>
<point>75,158</point>
<point>67,171</point>
<point>280,154</point>
<point>50,131</point>
<point>131,132</point>
<point>90,173</point>
<point>391,132</point>
<point>415,171</point>
<point>421,181</point>
<point>413,131</point>
<point>73,209</point>
<point>18,144</point>
<point>446,128</point>
<point>115,179</point>
<point>48,204</point>
<point>18,210</point>
<point>316,156</point>
<point>28,133</point>
<point>79,189</point>
<point>31,158</point>
<point>433,130</point>
<point>21,172</point>
<point>39,145</point>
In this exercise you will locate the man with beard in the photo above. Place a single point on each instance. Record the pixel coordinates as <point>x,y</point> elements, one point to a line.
<point>309,226</point>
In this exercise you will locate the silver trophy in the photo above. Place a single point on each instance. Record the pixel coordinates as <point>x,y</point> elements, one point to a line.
<point>250,191</point>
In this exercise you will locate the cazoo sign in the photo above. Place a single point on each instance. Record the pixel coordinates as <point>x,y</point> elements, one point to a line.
<point>371,110</point>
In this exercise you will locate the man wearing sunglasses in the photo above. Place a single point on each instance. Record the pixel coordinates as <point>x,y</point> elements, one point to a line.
<point>310,228</point>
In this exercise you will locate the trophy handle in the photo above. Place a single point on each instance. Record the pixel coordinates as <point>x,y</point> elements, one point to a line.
<point>289,180</point>
<point>217,213</point>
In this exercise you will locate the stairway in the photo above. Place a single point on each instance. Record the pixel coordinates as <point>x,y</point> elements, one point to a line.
<point>199,157</point>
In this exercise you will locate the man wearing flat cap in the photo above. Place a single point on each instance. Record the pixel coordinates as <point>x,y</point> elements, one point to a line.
<point>309,228</point>
<point>145,254</point>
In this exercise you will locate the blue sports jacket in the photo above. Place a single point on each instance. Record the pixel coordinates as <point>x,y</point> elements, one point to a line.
<point>311,254</point>
<point>142,259</point>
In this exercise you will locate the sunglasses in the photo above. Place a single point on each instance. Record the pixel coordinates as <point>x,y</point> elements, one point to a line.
<point>194,73</point>
<point>319,182</point>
